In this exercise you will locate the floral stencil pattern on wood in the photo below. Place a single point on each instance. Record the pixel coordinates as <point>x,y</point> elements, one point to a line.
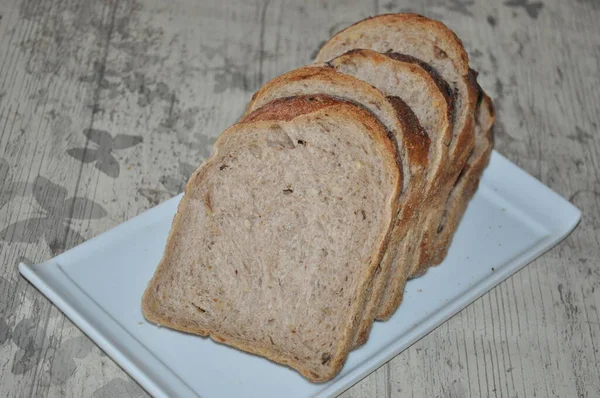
<point>52,218</point>
<point>101,154</point>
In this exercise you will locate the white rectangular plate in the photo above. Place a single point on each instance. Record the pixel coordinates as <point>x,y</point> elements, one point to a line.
<point>512,219</point>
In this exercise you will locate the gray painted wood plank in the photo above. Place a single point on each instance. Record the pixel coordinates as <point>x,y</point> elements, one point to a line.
<point>156,83</point>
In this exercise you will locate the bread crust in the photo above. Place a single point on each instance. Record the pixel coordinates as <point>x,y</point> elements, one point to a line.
<point>377,132</point>
<point>437,238</point>
<point>467,183</point>
<point>286,109</point>
<point>418,148</point>
<point>437,32</point>
<point>442,85</point>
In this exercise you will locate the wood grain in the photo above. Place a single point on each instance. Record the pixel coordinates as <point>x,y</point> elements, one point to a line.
<point>106,107</point>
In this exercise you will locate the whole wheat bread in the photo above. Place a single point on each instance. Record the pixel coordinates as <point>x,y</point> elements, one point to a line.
<point>395,115</point>
<point>274,243</point>
<point>283,240</point>
<point>430,98</point>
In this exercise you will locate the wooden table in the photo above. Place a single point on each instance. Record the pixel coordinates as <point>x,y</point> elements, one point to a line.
<point>146,86</point>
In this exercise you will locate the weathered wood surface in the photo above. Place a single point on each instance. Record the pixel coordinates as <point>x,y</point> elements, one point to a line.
<point>145,86</point>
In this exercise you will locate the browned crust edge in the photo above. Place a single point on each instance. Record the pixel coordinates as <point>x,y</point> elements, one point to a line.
<point>413,19</point>
<point>471,177</point>
<point>462,148</point>
<point>286,109</point>
<point>417,145</point>
<point>299,74</point>
<point>439,81</point>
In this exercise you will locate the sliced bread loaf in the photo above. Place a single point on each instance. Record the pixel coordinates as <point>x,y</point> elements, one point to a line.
<point>430,98</point>
<point>274,242</point>
<point>394,113</point>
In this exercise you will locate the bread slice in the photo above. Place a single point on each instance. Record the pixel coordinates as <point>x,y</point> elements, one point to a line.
<point>274,242</point>
<point>430,98</point>
<point>465,187</point>
<point>413,143</point>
